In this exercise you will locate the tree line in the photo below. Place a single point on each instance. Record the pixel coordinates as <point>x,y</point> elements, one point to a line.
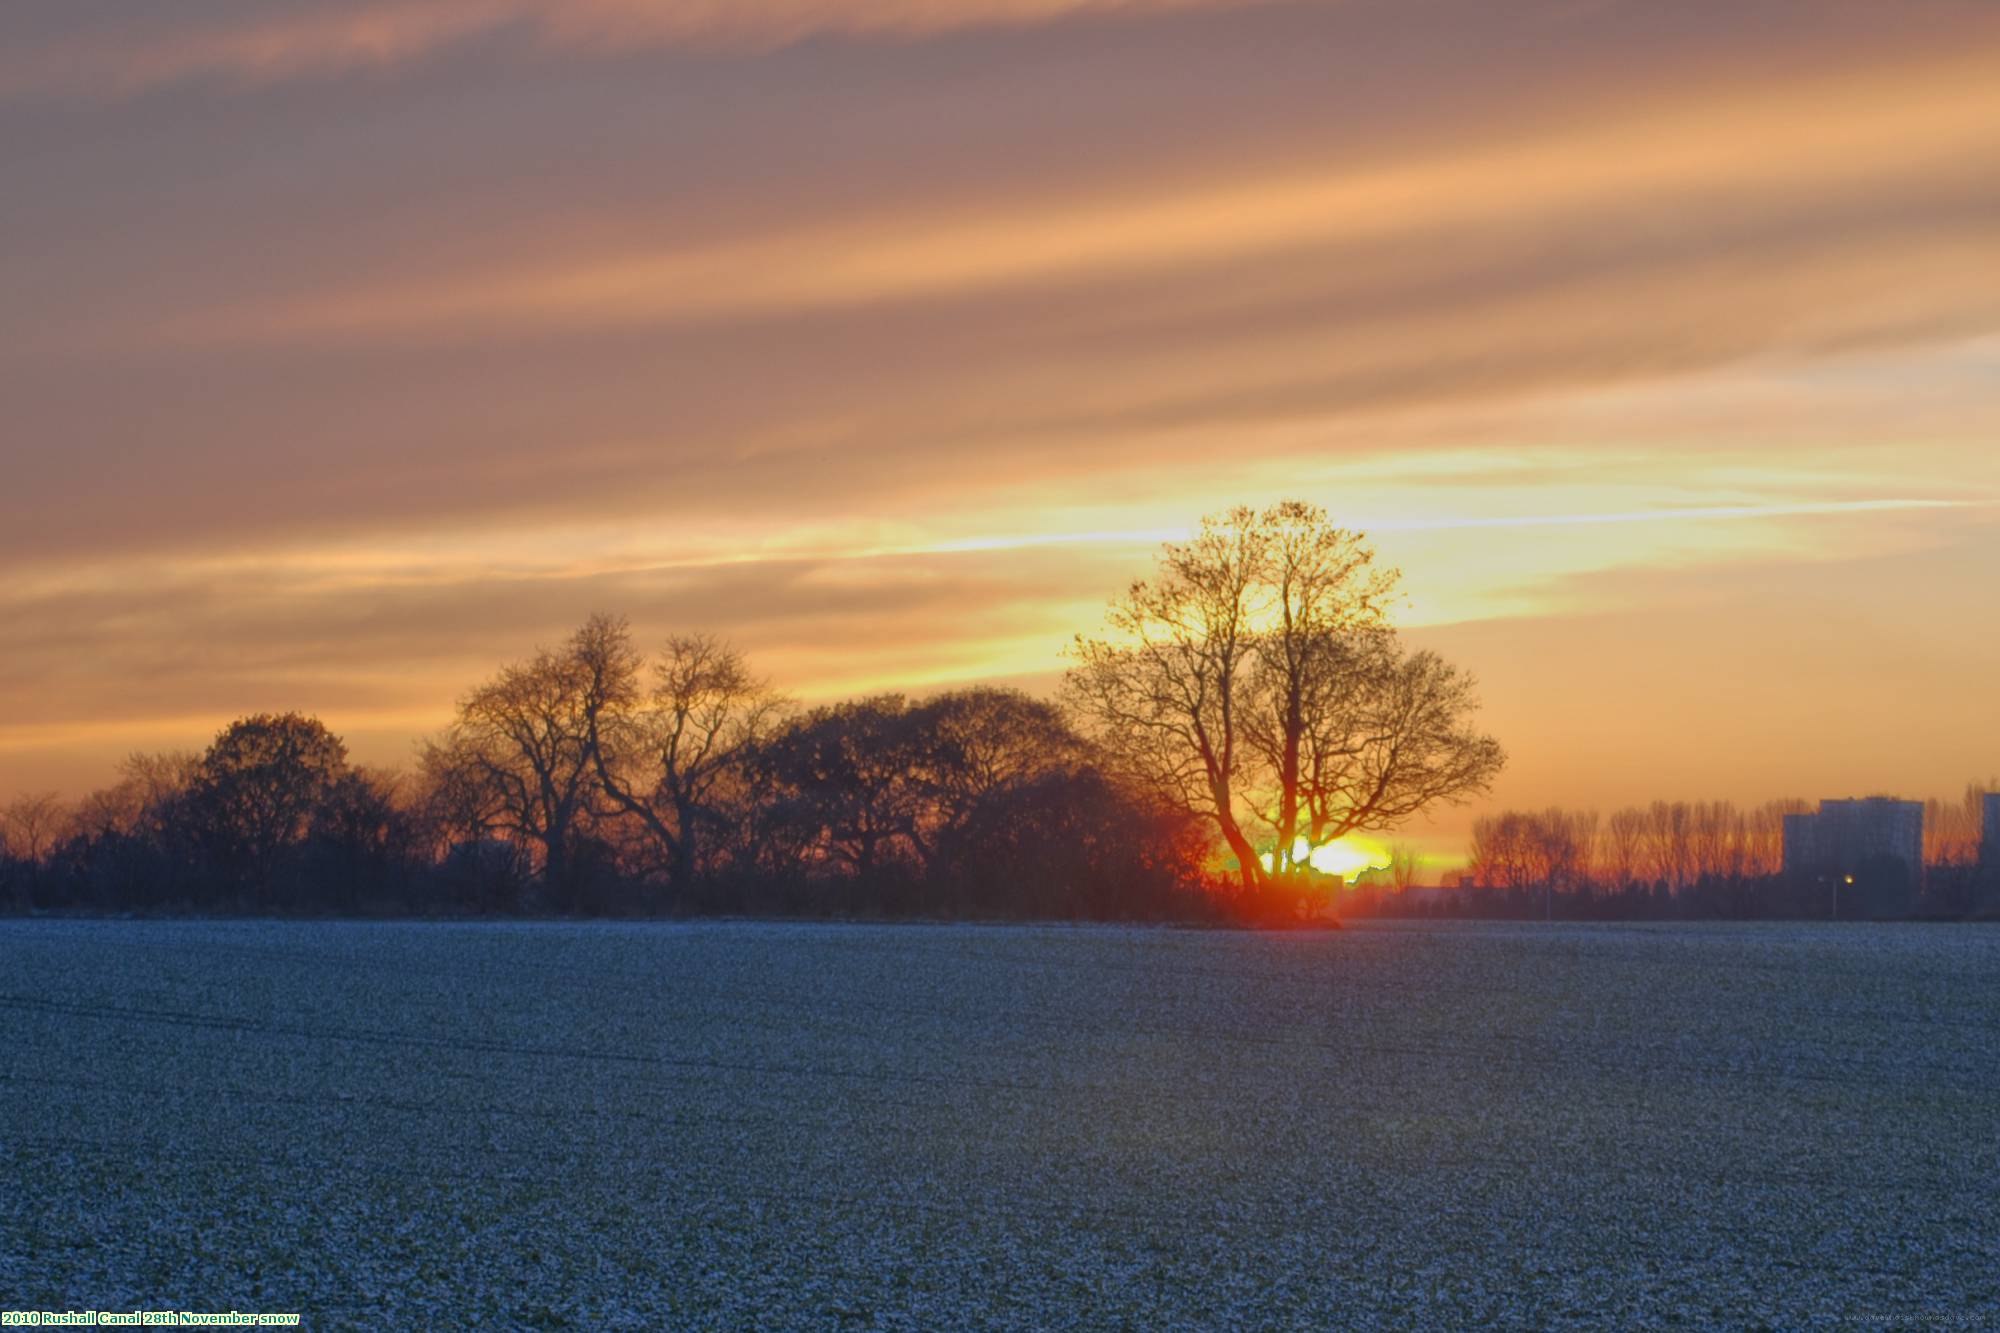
<point>1704,859</point>
<point>572,784</point>
<point>1248,702</point>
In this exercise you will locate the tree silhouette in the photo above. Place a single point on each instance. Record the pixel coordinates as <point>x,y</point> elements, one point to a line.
<point>1255,682</point>
<point>672,757</point>
<point>974,743</point>
<point>31,825</point>
<point>847,777</point>
<point>257,791</point>
<point>1382,735</point>
<point>520,757</point>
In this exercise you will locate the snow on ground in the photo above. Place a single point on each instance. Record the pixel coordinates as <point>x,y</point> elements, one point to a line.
<point>743,1125</point>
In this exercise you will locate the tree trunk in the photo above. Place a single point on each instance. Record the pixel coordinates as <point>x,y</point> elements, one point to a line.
<point>681,876</point>
<point>555,864</point>
<point>1246,855</point>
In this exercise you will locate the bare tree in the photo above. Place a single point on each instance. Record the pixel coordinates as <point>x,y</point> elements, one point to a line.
<point>848,777</point>
<point>1764,835</point>
<point>520,758</point>
<point>1167,687</point>
<point>1954,830</point>
<point>1586,834</point>
<point>1624,847</point>
<point>1503,853</point>
<point>1404,865</point>
<point>1322,660</point>
<point>976,742</point>
<point>1707,839</point>
<point>1670,843</point>
<point>1388,735</point>
<point>32,825</point>
<point>1255,682</point>
<point>668,758</point>
<point>1677,843</point>
<point>149,789</point>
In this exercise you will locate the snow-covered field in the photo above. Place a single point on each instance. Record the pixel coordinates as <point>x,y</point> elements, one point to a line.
<point>772,1126</point>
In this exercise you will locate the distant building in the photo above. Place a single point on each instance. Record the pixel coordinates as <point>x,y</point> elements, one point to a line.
<point>1989,842</point>
<point>1846,837</point>
<point>1801,844</point>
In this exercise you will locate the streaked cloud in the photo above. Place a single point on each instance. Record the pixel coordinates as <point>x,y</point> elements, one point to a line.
<point>350,349</point>
<point>1836,141</point>
<point>382,627</point>
<point>154,47</point>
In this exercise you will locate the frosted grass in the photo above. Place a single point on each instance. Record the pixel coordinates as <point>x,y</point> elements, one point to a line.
<point>740,1125</point>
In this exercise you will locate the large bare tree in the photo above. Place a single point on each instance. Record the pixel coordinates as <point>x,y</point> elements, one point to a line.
<point>1321,593</point>
<point>520,758</point>
<point>1255,681</point>
<point>670,756</point>
<point>1165,688</point>
<point>1384,734</point>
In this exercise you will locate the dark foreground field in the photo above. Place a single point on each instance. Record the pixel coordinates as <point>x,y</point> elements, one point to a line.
<point>742,1126</point>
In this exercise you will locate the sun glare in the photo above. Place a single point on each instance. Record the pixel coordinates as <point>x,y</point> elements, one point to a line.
<point>1347,857</point>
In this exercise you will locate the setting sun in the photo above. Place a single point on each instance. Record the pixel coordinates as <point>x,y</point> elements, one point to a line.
<point>1347,857</point>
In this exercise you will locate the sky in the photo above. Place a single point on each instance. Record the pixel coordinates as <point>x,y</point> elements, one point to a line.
<point>349,350</point>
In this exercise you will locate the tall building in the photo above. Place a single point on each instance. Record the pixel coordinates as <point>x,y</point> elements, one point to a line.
<point>1845,837</point>
<point>1989,840</point>
<point>1801,844</point>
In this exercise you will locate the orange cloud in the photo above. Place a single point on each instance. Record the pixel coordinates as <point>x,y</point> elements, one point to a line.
<point>1739,153</point>
<point>890,359</point>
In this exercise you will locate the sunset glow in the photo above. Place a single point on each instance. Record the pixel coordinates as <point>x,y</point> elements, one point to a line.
<point>351,349</point>
<point>1153,664</point>
<point>1347,857</point>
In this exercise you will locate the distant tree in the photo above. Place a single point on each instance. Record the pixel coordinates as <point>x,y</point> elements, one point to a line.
<point>453,803</point>
<point>257,791</point>
<point>1954,830</point>
<point>671,753</point>
<point>1693,859</point>
<point>1254,682</point>
<point>1559,844</point>
<point>146,801</point>
<point>1765,832</point>
<point>973,743</point>
<point>131,844</point>
<point>1670,843</point>
<point>519,760</point>
<point>1072,843</point>
<point>1624,846</point>
<point>849,777</point>
<point>880,781</point>
<point>1404,865</point>
<point>1503,851</point>
<point>1718,841</point>
<point>33,824</point>
<point>364,841</point>
<point>1552,850</point>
